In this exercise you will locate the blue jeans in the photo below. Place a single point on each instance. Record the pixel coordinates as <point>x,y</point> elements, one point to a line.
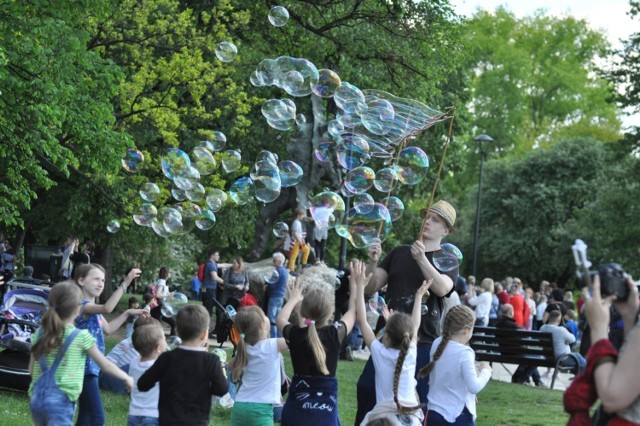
<point>53,408</point>
<point>273,309</point>
<point>464,419</point>
<point>109,383</point>
<point>142,421</point>
<point>91,412</point>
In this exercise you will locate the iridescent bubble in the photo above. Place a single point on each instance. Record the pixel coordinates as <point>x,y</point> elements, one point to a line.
<point>267,156</point>
<point>171,220</point>
<point>363,229</point>
<point>290,173</point>
<point>335,128</point>
<point>231,160</point>
<point>196,193</point>
<point>353,152</point>
<point>306,68</point>
<point>149,192</point>
<point>284,124</point>
<point>226,51</point>
<point>173,342</point>
<point>324,150</point>
<point>216,199</point>
<point>113,226</point>
<point>206,220</point>
<point>349,98</point>
<point>159,229</point>
<point>395,207</point>
<point>301,119</point>
<point>208,145</point>
<point>378,118</point>
<point>363,203</point>
<point>241,191</point>
<point>220,353</point>
<point>183,183</point>
<point>203,161</point>
<point>266,182</point>
<point>278,16</point>
<point>145,214</point>
<point>175,163</point>
<point>178,194</point>
<point>280,229</point>
<point>172,304</point>
<point>219,140</point>
<point>385,179</point>
<point>263,169</point>
<point>413,165</point>
<point>448,258</point>
<point>190,213</point>
<point>349,121</point>
<point>291,81</point>
<point>324,205</point>
<point>376,304</point>
<point>328,82</point>
<point>132,161</point>
<point>276,109</point>
<point>359,180</point>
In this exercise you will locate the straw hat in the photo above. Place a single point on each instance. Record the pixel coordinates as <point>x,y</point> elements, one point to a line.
<point>444,210</point>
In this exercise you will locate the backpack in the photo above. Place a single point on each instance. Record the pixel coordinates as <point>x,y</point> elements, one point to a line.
<point>46,383</point>
<point>201,270</point>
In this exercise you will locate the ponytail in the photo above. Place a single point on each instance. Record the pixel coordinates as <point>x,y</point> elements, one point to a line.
<point>318,350</point>
<point>404,348</point>
<point>249,323</point>
<point>239,362</point>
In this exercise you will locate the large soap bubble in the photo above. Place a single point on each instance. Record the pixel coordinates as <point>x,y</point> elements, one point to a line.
<point>226,51</point>
<point>196,193</point>
<point>113,226</point>
<point>328,82</point>
<point>241,191</point>
<point>231,160</point>
<point>395,207</point>
<point>290,173</point>
<point>145,214</point>
<point>132,161</point>
<point>173,303</point>
<point>218,141</point>
<point>377,304</point>
<point>412,166</point>
<point>359,180</point>
<point>448,258</point>
<point>159,229</point>
<point>170,219</point>
<point>216,199</point>
<point>175,163</point>
<point>324,205</point>
<point>203,160</point>
<point>266,182</point>
<point>178,194</point>
<point>349,98</point>
<point>205,220</point>
<point>280,229</point>
<point>149,192</point>
<point>323,151</point>
<point>190,212</point>
<point>278,16</point>
<point>385,179</point>
<point>335,128</point>
<point>353,152</point>
<point>364,229</point>
<point>183,183</point>
<point>363,202</point>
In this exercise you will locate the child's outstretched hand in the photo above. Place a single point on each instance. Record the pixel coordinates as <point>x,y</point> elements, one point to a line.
<point>424,288</point>
<point>386,312</point>
<point>132,275</point>
<point>140,311</point>
<point>358,276</point>
<point>295,291</point>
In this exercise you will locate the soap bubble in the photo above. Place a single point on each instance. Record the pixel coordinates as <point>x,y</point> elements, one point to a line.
<point>231,160</point>
<point>378,116</point>
<point>183,183</point>
<point>132,161</point>
<point>412,166</point>
<point>324,205</point>
<point>363,202</point>
<point>175,163</point>
<point>178,194</point>
<point>301,119</point>
<point>276,109</point>
<point>190,212</point>
<point>359,180</point>
<point>171,220</point>
<point>206,220</point>
<point>159,229</point>
<point>203,161</point>
<point>196,193</point>
<point>376,304</point>
<point>173,303</point>
<point>208,145</point>
<point>353,152</point>
<point>323,151</point>
<point>290,173</point>
<point>149,192</point>
<point>241,191</point>
<point>221,354</point>
<point>216,199</point>
<point>219,140</point>
<point>349,98</point>
<point>113,226</point>
<point>266,182</point>
<point>328,82</point>
<point>385,179</point>
<point>173,342</point>
<point>226,51</point>
<point>278,16</point>
<point>335,128</point>
<point>280,229</point>
<point>395,207</point>
<point>267,156</point>
<point>448,258</point>
<point>145,214</point>
<point>364,229</point>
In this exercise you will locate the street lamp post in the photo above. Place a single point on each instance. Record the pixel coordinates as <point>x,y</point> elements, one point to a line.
<point>481,140</point>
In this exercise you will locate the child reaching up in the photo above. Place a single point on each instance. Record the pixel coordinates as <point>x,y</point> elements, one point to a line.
<point>394,357</point>
<point>57,365</point>
<point>188,375</point>
<point>454,378</point>
<point>256,369</point>
<point>149,342</point>
<point>315,348</point>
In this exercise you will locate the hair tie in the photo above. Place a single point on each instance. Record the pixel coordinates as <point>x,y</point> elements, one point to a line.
<point>308,322</point>
<point>242,336</point>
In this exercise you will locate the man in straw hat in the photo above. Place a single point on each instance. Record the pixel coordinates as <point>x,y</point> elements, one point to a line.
<point>403,271</point>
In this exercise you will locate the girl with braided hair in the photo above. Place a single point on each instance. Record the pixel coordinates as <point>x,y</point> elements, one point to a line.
<point>256,369</point>
<point>455,381</point>
<point>394,358</point>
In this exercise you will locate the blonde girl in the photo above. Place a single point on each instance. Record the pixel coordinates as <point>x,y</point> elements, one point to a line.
<point>394,358</point>
<point>54,356</point>
<point>256,369</point>
<point>90,279</point>
<point>314,346</point>
<point>454,379</point>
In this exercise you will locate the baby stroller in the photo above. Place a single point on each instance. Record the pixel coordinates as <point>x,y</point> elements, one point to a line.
<point>20,315</point>
<point>226,329</point>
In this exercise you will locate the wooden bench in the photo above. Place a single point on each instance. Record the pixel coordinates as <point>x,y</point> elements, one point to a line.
<point>519,347</point>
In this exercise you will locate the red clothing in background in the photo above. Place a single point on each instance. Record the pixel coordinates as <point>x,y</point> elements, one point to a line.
<point>520,309</point>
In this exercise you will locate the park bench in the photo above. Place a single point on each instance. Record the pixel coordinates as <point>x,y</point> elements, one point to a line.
<point>519,347</point>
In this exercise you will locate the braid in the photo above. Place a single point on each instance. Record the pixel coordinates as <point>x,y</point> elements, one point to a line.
<point>424,372</point>
<point>404,348</point>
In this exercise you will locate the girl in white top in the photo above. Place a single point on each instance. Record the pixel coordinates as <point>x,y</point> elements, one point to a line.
<point>394,358</point>
<point>256,369</point>
<point>482,302</point>
<point>454,378</point>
